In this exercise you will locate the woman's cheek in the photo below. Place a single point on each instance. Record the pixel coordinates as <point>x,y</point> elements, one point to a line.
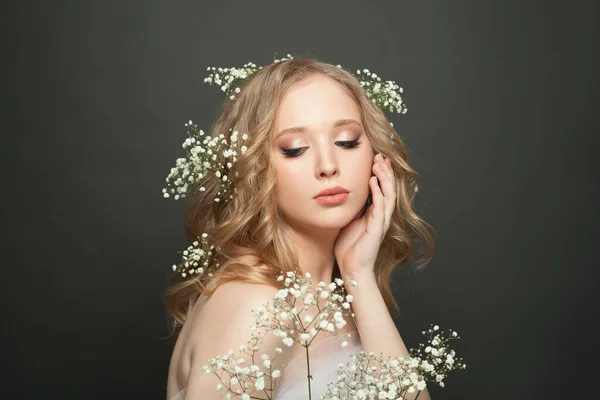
<point>289,183</point>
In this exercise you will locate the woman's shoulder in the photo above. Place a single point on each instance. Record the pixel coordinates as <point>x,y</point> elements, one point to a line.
<point>232,298</point>
<point>222,322</point>
<point>216,323</point>
<point>229,307</point>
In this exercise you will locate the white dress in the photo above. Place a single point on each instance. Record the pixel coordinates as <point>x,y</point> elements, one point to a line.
<point>325,357</point>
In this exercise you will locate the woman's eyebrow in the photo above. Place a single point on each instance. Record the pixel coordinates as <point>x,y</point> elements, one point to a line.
<point>302,129</point>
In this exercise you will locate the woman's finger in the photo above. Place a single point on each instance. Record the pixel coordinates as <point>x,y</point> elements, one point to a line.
<point>387,184</point>
<point>392,192</point>
<point>386,167</point>
<point>378,204</point>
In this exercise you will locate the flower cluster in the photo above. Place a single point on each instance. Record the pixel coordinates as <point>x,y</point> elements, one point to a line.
<point>197,259</point>
<point>293,302</point>
<point>386,95</point>
<point>289,318</point>
<point>244,380</point>
<point>438,358</point>
<point>393,378</point>
<point>364,377</point>
<point>228,78</point>
<point>205,154</point>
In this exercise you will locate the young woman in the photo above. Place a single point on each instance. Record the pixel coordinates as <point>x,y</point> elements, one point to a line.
<point>324,187</point>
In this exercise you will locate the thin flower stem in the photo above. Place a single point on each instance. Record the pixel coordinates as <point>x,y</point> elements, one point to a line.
<point>308,376</point>
<point>271,378</point>
<point>228,383</point>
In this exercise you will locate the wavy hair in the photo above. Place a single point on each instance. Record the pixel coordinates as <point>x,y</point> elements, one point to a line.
<point>247,230</point>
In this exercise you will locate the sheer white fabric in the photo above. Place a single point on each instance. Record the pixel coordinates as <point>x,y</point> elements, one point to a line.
<point>179,395</point>
<point>325,357</point>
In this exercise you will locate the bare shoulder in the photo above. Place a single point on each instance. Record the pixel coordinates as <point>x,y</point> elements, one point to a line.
<point>231,292</point>
<point>232,302</point>
<point>223,323</point>
<point>229,306</point>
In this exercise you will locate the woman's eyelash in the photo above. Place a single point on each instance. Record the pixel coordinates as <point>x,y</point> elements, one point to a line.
<point>351,143</point>
<point>346,144</point>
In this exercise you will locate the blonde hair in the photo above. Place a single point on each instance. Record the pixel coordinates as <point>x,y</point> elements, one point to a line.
<point>247,230</point>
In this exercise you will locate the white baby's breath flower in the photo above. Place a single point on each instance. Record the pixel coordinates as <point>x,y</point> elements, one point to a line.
<point>304,338</point>
<point>205,154</point>
<point>260,383</point>
<point>392,378</point>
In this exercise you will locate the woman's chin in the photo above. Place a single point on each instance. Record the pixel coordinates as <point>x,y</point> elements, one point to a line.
<point>335,219</point>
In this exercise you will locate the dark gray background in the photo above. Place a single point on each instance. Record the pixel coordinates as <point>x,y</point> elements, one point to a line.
<point>500,124</point>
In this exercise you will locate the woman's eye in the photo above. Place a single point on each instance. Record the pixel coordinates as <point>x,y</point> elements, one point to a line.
<point>292,152</point>
<point>347,144</point>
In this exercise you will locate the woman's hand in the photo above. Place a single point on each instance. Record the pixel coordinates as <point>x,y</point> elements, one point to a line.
<point>358,243</point>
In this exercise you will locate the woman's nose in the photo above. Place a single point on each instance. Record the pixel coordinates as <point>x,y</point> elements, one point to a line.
<point>326,166</point>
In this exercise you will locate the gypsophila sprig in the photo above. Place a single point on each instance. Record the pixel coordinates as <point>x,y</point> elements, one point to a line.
<point>205,154</point>
<point>243,381</point>
<point>438,358</point>
<point>387,95</point>
<point>368,376</point>
<point>297,316</point>
<point>197,259</point>
<point>293,302</point>
<point>228,78</point>
<point>294,315</point>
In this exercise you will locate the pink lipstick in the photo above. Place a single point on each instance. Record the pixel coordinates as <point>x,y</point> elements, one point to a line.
<point>332,196</point>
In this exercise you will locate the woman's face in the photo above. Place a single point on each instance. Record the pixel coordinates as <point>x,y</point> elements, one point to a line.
<point>316,143</point>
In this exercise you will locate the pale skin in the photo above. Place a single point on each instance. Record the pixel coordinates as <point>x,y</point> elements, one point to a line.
<point>325,233</point>
<point>326,156</point>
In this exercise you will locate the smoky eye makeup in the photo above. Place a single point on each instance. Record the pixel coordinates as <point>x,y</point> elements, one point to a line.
<point>297,151</point>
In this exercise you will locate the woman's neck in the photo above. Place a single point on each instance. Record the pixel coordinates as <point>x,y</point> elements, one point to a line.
<point>315,252</point>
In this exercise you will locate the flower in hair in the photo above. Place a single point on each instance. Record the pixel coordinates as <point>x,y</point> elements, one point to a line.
<point>205,154</point>
<point>228,78</point>
<point>385,94</point>
<point>197,259</point>
<point>216,155</point>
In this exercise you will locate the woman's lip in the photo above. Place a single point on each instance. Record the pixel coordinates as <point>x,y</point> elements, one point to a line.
<point>331,191</point>
<point>332,199</point>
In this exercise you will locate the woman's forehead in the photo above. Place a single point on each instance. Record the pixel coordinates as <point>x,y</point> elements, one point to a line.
<point>315,105</point>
